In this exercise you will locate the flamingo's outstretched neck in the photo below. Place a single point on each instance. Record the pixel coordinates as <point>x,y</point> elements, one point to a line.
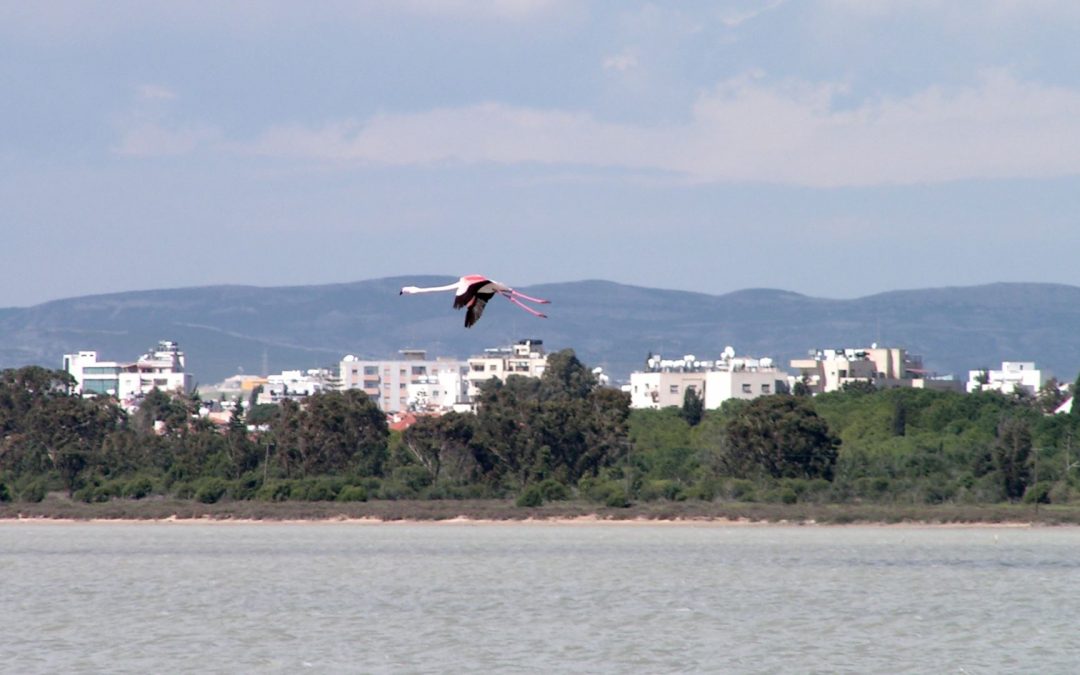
<point>412,290</point>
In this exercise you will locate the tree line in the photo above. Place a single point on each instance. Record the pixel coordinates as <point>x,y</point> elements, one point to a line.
<point>555,437</point>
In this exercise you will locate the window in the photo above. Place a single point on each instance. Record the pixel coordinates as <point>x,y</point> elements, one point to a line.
<point>673,389</point>
<point>747,389</point>
<point>765,389</point>
<point>419,370</point>
<point>100,386</point>
<point>100,370</point>
<point>371,370</point>
<point>371,384</point>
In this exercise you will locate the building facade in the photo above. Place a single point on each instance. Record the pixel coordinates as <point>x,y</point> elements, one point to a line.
<point>160,368</point>
<point>664,382</point>
<point>387,382</point>
<point>526,358</point>
<point>1013,377</point>
<point>885,367</point>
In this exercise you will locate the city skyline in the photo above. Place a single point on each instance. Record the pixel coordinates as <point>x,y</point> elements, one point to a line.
<point>833,148</point>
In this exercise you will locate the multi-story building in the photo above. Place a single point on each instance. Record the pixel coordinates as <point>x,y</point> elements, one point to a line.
<point>1014,377</point>
<point>159,368</point>
<point>526,358</point>
<point>665,382</point>
<point>438,392</point>
<point>884,367</point>
<point>388,381</point>
<point>297,384</point>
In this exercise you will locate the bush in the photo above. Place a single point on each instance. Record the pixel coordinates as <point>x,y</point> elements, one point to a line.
<point>617,498</point>
<point>210,490</point>
<point>34,491</point>
<point>553,491</point>
<point>183,490</point>
<point>5,494</point>
<point>137,488</point>
<point>90,494</point>
<point>110,489</point>
<point>742,490</point>
<point>1038,493</point>
<point>316,489</point>
<point>414,478</point>
<point>246,487</point>
<point>274,491</point>
<point>531,497</point>
<point>352,493</point>
<point>661,489</point>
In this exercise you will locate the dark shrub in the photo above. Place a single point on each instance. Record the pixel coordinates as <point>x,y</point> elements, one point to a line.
<point>1038,493</point>
<point>531,496</point>
<point>5,494</point>
<point>274,491</point>
<point>139,487</point>
<point>617,497</point>
<point>415,478</point>
<point>210,490</point>
<point>352,493</point>
<point>34,491</point>
<point>553,491</point>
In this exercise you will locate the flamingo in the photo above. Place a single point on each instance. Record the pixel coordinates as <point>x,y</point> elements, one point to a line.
<point>473,291</point>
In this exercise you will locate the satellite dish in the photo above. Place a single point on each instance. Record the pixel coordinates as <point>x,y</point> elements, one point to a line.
<point>729,352</point>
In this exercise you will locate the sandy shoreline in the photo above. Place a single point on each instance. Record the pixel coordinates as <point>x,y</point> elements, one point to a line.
<point>57,509</point>
<point>559,521</point>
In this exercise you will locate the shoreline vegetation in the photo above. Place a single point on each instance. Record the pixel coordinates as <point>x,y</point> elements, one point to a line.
<point>555,448</point>
<point>58,507</point>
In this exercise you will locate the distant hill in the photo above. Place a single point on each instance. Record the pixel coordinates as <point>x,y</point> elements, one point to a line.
<point>229,329</point>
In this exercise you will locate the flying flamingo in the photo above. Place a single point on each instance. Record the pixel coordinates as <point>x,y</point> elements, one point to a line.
<point>473,291</point>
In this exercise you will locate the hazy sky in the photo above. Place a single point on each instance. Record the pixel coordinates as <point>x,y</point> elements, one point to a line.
<point>830,147</point>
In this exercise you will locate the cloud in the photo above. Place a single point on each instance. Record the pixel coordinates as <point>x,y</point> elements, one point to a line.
<point>156,92</point>
<point>742,130</point>
<point>733,18</point>
<point>621,62</point>
<point>509,9</point>
<point>959,12</point>
<point>149,139</point>
<point>96,20</point>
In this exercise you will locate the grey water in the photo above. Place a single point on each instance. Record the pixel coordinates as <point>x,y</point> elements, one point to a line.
<point>447,598</point>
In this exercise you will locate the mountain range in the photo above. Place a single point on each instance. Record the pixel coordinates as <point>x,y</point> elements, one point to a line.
<point>225,330</point>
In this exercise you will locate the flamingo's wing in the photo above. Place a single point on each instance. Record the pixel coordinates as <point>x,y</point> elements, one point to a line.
<point>477,286</point>
<point>476,308</point>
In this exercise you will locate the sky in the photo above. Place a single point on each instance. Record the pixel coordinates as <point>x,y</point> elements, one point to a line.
<point>836,148</point>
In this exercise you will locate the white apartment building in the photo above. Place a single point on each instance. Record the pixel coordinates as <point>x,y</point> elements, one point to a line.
<point>886,367</point>
<point>526,358</point>
<point>665,382</point>
<point>444,390</point>
<point>388,381</point>
<point>159,368</point>
<point>1014,376</point>
<point>297,384</point>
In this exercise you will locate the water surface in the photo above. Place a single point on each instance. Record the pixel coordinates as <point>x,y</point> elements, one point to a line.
<point>348,597</point>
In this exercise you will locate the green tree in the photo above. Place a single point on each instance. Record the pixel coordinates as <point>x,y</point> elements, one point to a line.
<point>1012,451</point>
<point>565,377</point>
<point>780,436</point>
<point>443,446</point>
<point>693,407</point>
<point>1050,396</point>
<point>339,432</point>
<point>1074,411</point>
